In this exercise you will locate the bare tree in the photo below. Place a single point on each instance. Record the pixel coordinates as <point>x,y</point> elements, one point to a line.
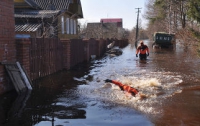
<point>105,30</point>
<point>180,17</point>
<point>156,15</point>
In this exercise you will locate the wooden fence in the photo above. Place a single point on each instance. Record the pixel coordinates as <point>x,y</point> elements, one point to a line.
<point>46,57</point>
<point>42,57</point>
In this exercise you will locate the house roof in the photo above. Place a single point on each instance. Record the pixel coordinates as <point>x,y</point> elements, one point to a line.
<point>40,9</point>
<point>32,3</point>
<point>113,20</point>
<point>99,30</point>
<point>25,4</point>
<point>32,27</point>
<point>69,6</point>
<point>21,13</point>
<point>102,25</point>
<point>27,27</point>
<point>45,4</point>
<point>56,4</point>
<point>106,20</point>
<point>93,24</point>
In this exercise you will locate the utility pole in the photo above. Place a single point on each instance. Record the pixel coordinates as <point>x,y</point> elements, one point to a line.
<point>137,29</point>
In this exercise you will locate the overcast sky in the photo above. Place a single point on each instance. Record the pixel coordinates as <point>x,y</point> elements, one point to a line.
<point>94,10</point>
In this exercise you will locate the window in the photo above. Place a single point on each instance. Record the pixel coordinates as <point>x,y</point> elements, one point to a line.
<point>22,36</point>
<point>67,25</point>
<point>62,25</point>
<point>75,27</point>
<point>72,26</point>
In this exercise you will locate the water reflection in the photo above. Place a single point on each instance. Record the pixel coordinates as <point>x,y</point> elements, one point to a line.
<point>52,98</point>
<point>5,104</point>
<point>16,102</point>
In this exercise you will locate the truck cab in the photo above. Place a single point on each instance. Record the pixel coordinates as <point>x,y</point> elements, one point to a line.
<point>162,39</point>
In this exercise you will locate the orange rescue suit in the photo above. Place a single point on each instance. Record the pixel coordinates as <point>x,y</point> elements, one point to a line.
<point>127,88</point>
<point>142,49</point>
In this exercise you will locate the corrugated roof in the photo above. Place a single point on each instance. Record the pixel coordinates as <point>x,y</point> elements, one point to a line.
<point>25,4</point>
<point>32,4</point>
<point>56,4</point>
<point>36,13</point>
<point>46,4</point>
<point>27,27</point>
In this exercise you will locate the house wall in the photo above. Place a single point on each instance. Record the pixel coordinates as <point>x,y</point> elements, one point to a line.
<point>7,43</point>
<point>66,35</point>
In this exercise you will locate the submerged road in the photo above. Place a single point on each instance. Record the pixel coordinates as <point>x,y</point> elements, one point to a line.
<point>168,83</point>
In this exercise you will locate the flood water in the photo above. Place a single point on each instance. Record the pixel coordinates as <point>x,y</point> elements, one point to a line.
<point>168,83</point>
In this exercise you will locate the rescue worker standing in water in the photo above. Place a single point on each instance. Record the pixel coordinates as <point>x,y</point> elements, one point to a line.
<point>143,51</point>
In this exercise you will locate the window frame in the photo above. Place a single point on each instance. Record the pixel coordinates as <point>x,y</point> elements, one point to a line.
<point>62,25</point>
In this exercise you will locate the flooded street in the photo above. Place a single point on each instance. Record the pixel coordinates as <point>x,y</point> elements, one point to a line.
<point>168,83</point>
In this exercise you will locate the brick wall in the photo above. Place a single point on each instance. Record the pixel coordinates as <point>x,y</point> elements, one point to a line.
<point>23,53</point>
<point>77,50</point>
<point>7,44</point>
<point>74,51</point>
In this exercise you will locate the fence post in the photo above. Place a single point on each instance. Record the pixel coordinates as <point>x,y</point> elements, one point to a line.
<point>23,53</point>
<point>102,47</point>
<point>86,49</point>
<point>66,53</point>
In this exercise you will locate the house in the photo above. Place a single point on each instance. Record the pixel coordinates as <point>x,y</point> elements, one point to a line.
<point>119,21</point>
<point>106,28</point>
<point>101,30</point>
<point>47,18</point>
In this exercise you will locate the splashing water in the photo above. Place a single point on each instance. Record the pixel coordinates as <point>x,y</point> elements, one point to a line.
<point>153,88</point>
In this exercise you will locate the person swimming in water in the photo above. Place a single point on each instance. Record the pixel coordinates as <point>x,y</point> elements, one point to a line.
<point>124,87</point>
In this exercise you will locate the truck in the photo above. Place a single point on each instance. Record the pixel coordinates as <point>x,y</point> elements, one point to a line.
<point>162,39</point>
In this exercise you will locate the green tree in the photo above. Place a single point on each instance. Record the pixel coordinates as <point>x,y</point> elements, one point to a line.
<point>156,11</point>
<point>194,10</point>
